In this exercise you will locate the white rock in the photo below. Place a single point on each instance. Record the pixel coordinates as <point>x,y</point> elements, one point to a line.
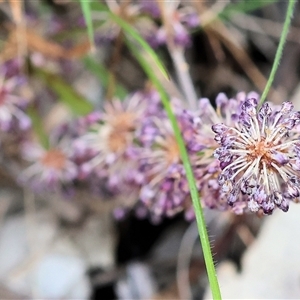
<point>138,284</point>
<point>270,266</point>
<point>39,261</point>
<point>97,242</point>
<point>61,276</point>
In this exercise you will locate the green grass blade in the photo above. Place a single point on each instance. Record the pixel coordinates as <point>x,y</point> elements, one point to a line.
<point>189,173</point>
<point>38,126</point>
<point>103,75</point>
<point>66,94</point>
<point>131,32</point>
<point>86,9</point>
<point>285,30</point>
<point>132,35</point>
<point>235,8</point>
<point>244,7</point>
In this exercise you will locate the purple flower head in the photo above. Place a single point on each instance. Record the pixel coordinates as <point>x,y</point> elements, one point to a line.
<point>50,169</point>
<point>152,97</point>
<point>189,17</point>
<point>165,189</point>
<point>108,145</point>
<point>262,150</point>
<point>150,7</point>
<point>11,114</point>
<point>215,197</point>
<point>212,128</point>
<point>208,120</point>
<point>132,13</point>
<point>180,20</point>
<point>179,33</point>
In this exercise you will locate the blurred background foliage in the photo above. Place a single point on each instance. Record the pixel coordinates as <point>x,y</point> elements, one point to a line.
<point>76,55</point>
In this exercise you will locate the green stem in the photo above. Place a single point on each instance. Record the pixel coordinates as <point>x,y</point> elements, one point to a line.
<point>86,9</point>
<point>148,68</point>
<point>201,225</point>
<point>212,277</point>
<point>279,51</point>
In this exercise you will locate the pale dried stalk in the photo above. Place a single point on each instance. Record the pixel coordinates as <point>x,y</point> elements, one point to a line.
<point>180,64</point>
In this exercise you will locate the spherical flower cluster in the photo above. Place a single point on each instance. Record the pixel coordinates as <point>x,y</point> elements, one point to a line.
<point>180,20</point>
<point>259,156</point>
<point>52,169</point>
<point>205,166</point>
<point>132,14</point>
<point>244,158</point>
<point>141,14</point>
<point>108,143</point>
<point>164,188</point>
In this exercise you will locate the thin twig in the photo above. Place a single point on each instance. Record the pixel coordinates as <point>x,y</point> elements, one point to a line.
<point>17,12</point>
<point>245,234</point>
<point>243,59</point>
<point>180,64</point>
<point>266,27</point>
<point>183,75</point>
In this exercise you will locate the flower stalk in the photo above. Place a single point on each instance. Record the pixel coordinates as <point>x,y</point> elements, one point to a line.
<point>285,30</point>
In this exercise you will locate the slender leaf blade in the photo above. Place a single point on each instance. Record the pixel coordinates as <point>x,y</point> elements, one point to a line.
<point>38,127</point>
<point>66,94</point>
<point>103,75</point>
<point>86,9</point>
<point>189,174</point>
<point>132,32</point>
<point>134,35</point>
<point>244,7</point>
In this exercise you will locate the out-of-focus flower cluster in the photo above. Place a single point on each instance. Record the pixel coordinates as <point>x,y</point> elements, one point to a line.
<point>157,22</point>
<point>12,116</point>
<point>244,157</point>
